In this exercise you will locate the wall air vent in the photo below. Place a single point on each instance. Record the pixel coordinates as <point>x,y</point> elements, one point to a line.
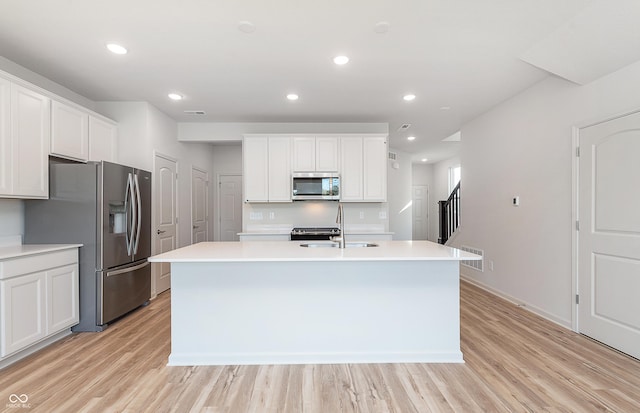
<point>393,156</point>
<point>476,265</point>
<point>194,112</point>
<point>404,126</point>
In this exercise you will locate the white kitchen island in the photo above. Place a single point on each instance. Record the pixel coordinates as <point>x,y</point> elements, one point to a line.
<point>279,303</point>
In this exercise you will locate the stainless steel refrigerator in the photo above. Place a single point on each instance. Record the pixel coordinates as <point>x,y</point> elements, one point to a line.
<point>107,208</point>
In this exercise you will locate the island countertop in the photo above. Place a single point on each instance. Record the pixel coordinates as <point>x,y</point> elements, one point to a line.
<point>292,251</point>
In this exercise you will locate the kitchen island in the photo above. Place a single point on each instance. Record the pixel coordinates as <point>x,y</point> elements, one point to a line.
<point>280,303</point>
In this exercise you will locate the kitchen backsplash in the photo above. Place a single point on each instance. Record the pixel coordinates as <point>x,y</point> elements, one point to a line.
<point>365,217</point>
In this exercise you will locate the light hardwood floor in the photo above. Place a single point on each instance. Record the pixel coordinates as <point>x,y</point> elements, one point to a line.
<point>515,362</point>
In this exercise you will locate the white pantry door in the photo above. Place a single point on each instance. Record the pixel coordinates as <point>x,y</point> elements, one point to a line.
<point>230,206</point>
<point>609,234</point>
<point>166,181</point>
<point>420,208</point>
<point>199,213</point>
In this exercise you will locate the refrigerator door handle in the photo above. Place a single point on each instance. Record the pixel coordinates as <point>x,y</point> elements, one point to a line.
<point>139,212</point>
<point>128,269</point>
<point>128,201</point>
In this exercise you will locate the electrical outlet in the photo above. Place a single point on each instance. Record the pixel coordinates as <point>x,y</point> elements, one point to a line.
<point>361,214</point>
<point>255,216</point>
<point>272,215</point>
<point>490,265</point>
<point>516,201</point>
<point>382,215</point>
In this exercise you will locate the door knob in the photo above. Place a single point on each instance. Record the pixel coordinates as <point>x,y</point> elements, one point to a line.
<point>161,232</point>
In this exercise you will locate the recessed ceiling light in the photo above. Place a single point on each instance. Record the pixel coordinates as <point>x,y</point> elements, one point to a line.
<point>246,27</point>
<point>341,60</point>
<point>424,159</point>
<point>381,27</point>
<point>116,48</point>
<point>411,138</point>
<point>175,96</point>
<point>292,96</point>
<point>445,107</point>
<point>409,97</point>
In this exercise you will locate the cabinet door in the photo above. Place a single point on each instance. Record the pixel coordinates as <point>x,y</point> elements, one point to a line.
<point>375,169</point>
<point>62,298</point>
<point>30,133</point>
<point>22,316</point>
<point>280,169</point>
<point>327,149</point>
<point>255,162</point>
<point>304,154</point>
<point>103,140</point>
<point>69,132</point>
<point>351,169</point>
<point>6,160</point>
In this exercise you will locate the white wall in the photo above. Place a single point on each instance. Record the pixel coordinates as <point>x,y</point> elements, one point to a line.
<point>399,196</point>
<point>11,217</point>
<point>144,130</point>
<point>524,147</point>
<point>227,160</point>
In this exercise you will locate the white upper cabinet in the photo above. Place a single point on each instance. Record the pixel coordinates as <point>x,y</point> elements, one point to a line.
<point>279,169</point>
<point>327,150</point>
<point>311,154</point>
<point>351,169</point>
<point>374,169</point>
<point>24,143</point>
<point>304,154</point>
<point>255,165</point>
<point>69,131</point>
<point>363,169</point>
<point>267,169</point>
<point>103,140</point>
<point>6,160</point>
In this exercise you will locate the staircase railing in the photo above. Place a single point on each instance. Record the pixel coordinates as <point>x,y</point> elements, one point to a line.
<point>449,215</point>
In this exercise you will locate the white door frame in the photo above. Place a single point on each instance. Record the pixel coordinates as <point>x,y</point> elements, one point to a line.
<point>154,246</point>
<point>206,200</point>
<point>575,169</point>
<point>217,212</point>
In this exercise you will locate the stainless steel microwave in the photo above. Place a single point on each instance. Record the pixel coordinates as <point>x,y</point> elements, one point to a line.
<point>315,186</point>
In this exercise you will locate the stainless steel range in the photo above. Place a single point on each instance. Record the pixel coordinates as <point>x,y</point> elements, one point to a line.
<point>314,233</point>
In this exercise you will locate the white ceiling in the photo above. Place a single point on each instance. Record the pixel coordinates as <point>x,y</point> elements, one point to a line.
<point>462,54</point>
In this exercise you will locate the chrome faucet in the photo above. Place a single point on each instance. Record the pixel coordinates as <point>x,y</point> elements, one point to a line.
<point>340,221</point>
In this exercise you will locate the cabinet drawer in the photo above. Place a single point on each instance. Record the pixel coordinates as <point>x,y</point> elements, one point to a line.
<point>34,263</point>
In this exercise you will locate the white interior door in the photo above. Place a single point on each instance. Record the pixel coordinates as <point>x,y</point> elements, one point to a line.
<point>420,208</point>
<point>230,207</point>
<point>609,234</point>
<point>165,178</point>
<point>199,213</point>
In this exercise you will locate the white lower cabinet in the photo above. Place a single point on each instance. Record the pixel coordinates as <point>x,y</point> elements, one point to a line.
<point>23,312</point>
<point>38,298</point>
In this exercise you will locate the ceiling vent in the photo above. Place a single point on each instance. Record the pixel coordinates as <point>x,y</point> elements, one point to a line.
<point>194,112</point>
<point>404,126</point>
<point>393,156</point>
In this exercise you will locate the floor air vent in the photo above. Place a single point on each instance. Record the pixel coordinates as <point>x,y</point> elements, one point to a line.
<point>476,265</point>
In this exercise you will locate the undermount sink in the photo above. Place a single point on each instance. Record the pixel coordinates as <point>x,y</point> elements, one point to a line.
<point>337,245</point>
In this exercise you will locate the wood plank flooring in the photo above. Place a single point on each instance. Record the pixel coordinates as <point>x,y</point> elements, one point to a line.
<point>515,362</point>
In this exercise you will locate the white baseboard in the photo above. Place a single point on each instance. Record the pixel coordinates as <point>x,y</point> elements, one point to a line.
<point>527,306</point>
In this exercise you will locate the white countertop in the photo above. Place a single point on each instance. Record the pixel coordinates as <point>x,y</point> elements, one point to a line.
<point>16,251</point>
<point>291,251</point>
